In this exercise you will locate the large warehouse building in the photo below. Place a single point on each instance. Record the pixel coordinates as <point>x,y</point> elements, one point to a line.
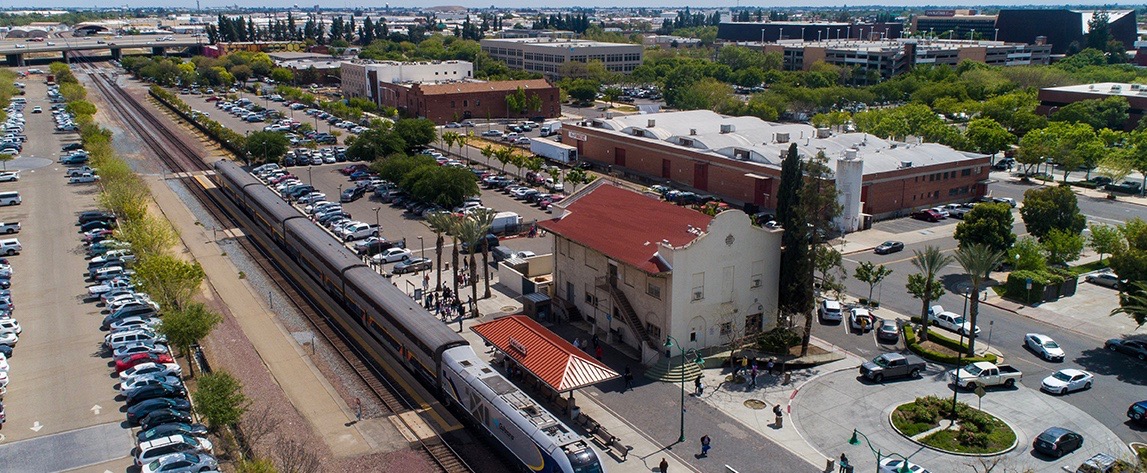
<point>739,159</point>
<point>1052,98</point>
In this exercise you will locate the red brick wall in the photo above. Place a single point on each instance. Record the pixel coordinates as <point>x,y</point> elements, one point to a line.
<point>884,194</point>
<point>444,108</point>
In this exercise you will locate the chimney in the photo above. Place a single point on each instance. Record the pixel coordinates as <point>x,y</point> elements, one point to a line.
<point>823,132</point>
<point>781,137</point>
<point>652,123</point>
<point>850,154</point>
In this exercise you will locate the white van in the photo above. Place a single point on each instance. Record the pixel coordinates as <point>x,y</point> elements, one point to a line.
<point>10,198</point>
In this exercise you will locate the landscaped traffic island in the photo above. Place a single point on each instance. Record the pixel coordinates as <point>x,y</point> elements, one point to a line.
<point>927,421</point>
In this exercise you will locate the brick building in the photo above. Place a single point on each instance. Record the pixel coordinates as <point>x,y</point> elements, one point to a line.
<point>739,160</point>
<point>1052,98</point>
<point>454,101</point>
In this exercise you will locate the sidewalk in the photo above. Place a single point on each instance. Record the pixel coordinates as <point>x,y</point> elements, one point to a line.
<point>309,392</point>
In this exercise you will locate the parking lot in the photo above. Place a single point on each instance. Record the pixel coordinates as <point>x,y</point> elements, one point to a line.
<point>60,379</point>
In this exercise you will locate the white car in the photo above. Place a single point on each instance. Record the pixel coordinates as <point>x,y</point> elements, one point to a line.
<point>9,176</point>
<point>830,310</point>
<point>83,179</point>
<point>140,381</point>
<point>149,369</point>
<point>3,363</point>
<point>8,338</point>
<point>894,465</point>
<point>950,320</point>
<point>3,379</point>
<point>10,325</point>
<point>109,285</point>
<point>1066,380</point>
<point>1044,346</point>
<point>861,319</point>
<point>134,323</point>
<point>392,255</point>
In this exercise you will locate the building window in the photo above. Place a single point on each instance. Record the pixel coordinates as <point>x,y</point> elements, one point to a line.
<point>726,329</point>
<point>477,103</point>
<point>451,104</point>
<point>654,331</point>
<point>692,336</point>
<point>966,173</point>
<point>590,297</point>
<point>465,103</point>
<point>698,286</point>
<point>653,290</point>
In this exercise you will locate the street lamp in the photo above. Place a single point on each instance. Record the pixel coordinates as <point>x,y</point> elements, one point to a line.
<point>879,455</point>
<point>422,246</point>
<point>377,226</point>
<point>669,343</point>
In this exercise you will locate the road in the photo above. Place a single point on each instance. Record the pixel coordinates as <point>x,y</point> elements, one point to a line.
<point>1119,380</point>
<point>55,44</point>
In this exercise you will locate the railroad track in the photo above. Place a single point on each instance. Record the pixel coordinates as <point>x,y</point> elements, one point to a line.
<point>180,157</point>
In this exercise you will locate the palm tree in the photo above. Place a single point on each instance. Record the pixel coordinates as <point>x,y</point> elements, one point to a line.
<point>929,262</point>
<point>978,260</point>
<point>484,218</point>
<point>440,223</point>
<point>504,155</point>
<point>452,229</point>
<point>451,138</point>
<point>1133,302</point>
<point>488,152</point>
<point>470,233</point>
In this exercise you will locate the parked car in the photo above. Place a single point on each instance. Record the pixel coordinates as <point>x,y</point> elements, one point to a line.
<point>1044,346</point>
<point>140,358</point>
<point>888,331</point>
<point>1138,412</point>
<point>1057,442</point>
<point>1106,279</point>
<point>830,310</point>
<point>9,176</point>
<point>392,255</point>
<point>163,416</point>
<point>149,369</point>
<point>950,321</point>
<point>1067,380</point>
<point>861,320</point>
<point>173,428</point>
<point>141,410</point>
<point>897,465</point>
<point>1125,187</point>
<point>181,463</point>
<point>154,391</point>
<point>1132,347</point>
<point>889,247</point>
<point>927,215</point>
<point>892,365</point>
<point>985,374</point>
<point>153,449</point>
<point>410,265</point>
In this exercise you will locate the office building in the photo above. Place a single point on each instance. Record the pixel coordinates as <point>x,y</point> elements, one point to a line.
<point>892,57</point>
<point>1052,98</point>
<point>547,55</point>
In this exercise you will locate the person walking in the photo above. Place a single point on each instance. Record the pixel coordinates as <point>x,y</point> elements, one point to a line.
<point>705,446</point>
<point>425,282</point>
<point>628,377</point>
<point>700,386</point>
<point>663,467</point>
<point>844,466</point>
<point>772,364</point>
<point>753,376</point>
<point>598,352</point>
<point>780,413</point>
<point>577,343</point>
<point>357,409</point>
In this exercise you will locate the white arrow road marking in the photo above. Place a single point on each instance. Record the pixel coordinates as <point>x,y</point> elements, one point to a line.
<point>96,409</point>
<point>37,426</point>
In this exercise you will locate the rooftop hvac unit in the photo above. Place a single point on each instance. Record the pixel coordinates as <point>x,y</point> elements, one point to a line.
<point>782,137</point>
<point>608,115</point>
<point>1116,88</point>
<point>1143,91</point>
<point>1091,87</point>
<point>692,132</point>
<point>727,128</point>
<point>823,133</point>
<point>651,123</point>
<point>1134,86</point>
<point>905,164</point>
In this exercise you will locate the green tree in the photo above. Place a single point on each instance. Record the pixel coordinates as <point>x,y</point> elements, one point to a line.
<point>1049,208</point>
<point>148,235</point>
<point>282,75</point>
<point>989,224</point>
<point>471,233</point>
<point>185,327</point>
<point>1062,246</point>
<point>170,281</point>
<point>396,167</point>
<point>871,274</point>
<point>220,399</point>
<point>440,222</point>
<point>1130,262</point>
<point>443,185</point>
<point>611,94</point>
<point>1104,239</point>
<point>1028,255</point>
<point>978,262</point>
<point>988,136</point>
<point>576,177</point>
<point>375,143</point>
<point>484,220</point>
<point>416,132</point>
<point>267,146</point>
<point>582,90</point>
<point>1110,112</point>
<point>923,285</point>
<point>1133,302</point>
<point>829,263</point>
<point>1116,165</point>
<point>795,257</point>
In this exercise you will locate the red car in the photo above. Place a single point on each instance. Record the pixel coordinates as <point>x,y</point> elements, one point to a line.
<point>352,168</point>
<point>927,215</point>
<point>214,98</point>
<point>139,358</point>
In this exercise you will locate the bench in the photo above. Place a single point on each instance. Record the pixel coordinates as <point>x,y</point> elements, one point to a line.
<point>618,450</point>
<point>562,403</point>
<point>601,437</point>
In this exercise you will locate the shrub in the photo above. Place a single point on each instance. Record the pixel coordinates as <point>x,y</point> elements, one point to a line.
<point>915,347</point>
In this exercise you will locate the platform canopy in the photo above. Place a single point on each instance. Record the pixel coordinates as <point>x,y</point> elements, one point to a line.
<point>543,353</point>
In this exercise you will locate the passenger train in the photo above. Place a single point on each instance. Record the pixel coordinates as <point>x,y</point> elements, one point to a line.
<point>437,355</point>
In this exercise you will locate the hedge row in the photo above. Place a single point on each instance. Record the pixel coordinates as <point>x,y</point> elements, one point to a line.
<point>226,137</point>
<point>914,345</point>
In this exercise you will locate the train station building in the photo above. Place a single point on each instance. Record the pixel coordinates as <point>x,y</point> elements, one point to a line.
<point>639,270</point>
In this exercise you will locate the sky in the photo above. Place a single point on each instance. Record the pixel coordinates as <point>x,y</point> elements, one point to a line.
<point>516,3</point>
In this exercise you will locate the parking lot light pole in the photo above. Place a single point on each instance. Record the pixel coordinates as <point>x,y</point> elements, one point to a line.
<point>377,226</point>
<point>422,246</point>
<point>855,440</point>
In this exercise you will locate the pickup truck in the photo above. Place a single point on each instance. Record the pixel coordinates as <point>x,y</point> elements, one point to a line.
<point>74,172</point>
<point>892,365</point>
<point>986,374</point>
<point>9,227</point>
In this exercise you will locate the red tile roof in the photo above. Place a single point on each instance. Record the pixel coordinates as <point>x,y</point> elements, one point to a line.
<point>627,226</point>
<point>541,352</point>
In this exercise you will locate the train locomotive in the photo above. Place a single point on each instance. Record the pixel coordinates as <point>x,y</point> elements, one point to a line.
<point>392,321</point>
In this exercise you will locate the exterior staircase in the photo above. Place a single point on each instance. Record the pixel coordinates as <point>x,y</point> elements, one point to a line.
<point>628,315</point>
<point>671,370</point>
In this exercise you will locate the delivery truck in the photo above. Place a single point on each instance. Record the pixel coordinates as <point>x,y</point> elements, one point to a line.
<point>553,150</point>
<point>551,128</point>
